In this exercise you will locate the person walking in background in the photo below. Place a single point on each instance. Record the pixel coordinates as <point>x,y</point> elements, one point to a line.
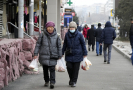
<point>85,30</point>
<point>75,50</point>
<point>131,38</point>
<point>108,35</point>
<point>79,28</point>
<point>49,48</point>
<point>91,38</point>
<point>98,34</point>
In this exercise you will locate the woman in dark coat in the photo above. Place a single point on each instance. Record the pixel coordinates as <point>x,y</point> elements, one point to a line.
<point>91,37</point>
<point>131,38</point>
<point>75,50</point>
<point>49,48</point>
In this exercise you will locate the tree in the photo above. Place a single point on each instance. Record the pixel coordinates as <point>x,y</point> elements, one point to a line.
<point>124,14</point>
<point>75,18</point>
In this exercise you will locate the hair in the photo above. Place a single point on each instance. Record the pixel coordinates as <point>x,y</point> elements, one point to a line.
<point>99,24</point>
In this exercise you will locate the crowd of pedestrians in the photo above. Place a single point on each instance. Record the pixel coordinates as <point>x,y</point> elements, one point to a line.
<point>74,49</point>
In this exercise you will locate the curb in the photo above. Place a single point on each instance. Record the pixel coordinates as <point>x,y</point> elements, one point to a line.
<point>121,52</point>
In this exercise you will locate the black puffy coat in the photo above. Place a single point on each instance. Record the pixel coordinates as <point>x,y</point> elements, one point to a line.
<point>131,35</point>
<point>47,46</point>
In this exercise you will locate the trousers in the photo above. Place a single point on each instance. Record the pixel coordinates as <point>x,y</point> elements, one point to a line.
<point>46,70</point>
<point>73,70</point>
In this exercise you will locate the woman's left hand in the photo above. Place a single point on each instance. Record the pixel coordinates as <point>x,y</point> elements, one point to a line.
<point>85,56</point>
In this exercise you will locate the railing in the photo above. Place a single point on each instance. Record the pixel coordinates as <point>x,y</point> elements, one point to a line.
<point>16,28</point>
<point>34,26</point>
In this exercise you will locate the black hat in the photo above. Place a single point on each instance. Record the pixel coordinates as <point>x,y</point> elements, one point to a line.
<point>99,24</point>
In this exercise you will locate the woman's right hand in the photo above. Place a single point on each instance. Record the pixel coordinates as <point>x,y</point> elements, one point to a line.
<point>35,57</point>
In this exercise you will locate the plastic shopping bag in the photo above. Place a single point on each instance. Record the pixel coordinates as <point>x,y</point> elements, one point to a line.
<point>61,65</point>
<point>85,64</point>
<point>34,65</point>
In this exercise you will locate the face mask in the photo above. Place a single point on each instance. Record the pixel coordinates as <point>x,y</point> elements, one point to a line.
<point>72,31</point>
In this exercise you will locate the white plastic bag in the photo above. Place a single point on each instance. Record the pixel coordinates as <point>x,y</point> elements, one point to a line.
<point>34,65</point>
<point>85,64</point>
<point>61,65</point>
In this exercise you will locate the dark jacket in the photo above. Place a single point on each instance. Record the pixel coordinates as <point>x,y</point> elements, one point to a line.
<point>98,34</point>
<point>48,45</point>
<point>76,42</point>
<point>79,28</point>
<point>91,36</point>
<point>108,34</point>
<point>131,35</point>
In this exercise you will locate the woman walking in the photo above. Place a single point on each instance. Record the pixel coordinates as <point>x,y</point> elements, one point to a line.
<point>49,48</point>
<point>85,30</point>
<point>75,50</point>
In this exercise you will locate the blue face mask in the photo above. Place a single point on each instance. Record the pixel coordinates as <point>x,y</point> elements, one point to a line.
<point>72,31</point>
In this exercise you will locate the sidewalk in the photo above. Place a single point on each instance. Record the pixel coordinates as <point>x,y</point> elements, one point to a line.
<point>115,76</point>
<point>124,48</point>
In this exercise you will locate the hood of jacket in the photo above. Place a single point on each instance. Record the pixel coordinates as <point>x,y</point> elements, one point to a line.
<point>108,24</point>
<point>48,34</point>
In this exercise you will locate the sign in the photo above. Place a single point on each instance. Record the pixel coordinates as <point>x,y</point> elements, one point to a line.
<point>68,10</point>
<point>69,2</point>
<point>112,12</point>
<point>61,14</point>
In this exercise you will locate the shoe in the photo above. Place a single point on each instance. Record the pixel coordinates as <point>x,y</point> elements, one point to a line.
<point>104,60</point>
<point>100,54</point>
<point>51,86</point>
<point>97,54</point>
<point>73,84</point>
<point>89,49</point>
<point>46,84</point>
<point>108,62</point>
<point>70,83</point>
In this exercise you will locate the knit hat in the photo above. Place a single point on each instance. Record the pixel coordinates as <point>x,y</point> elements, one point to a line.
<point>50,24</point>
<point>73,25</point>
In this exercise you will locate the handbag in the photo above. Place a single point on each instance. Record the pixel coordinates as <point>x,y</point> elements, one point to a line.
<point>69,50</point>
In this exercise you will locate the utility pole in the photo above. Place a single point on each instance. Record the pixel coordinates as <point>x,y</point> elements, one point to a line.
<point>31,17</point>
<point>114,12</point>
<point>21,19</point>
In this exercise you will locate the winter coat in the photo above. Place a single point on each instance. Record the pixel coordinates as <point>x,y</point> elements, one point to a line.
<point>48,45</point>
<point>108,34</point>
<point>79,28</point>
<point>98,34</point>
<point>131,35</point>
<point>85,32</point>
<point>91,36</point>
<point>76,42</point>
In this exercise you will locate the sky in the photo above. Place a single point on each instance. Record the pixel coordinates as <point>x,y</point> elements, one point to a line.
<point>87,2</point>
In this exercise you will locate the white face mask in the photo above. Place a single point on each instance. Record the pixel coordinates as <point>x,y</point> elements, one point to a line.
<point>72,31</point>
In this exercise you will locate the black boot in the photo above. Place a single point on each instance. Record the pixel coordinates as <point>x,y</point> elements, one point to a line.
<point>89,49</point>
<point>46,84</point>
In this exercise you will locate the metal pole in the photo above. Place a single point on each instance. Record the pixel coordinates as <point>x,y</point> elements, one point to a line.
<point>44,13</point>
<point>114,12</point>
<point>31,17</point>
<point>21,19</point>
<point>40,15</point>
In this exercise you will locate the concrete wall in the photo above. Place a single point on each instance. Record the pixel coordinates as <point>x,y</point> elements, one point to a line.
<point>53,12</point>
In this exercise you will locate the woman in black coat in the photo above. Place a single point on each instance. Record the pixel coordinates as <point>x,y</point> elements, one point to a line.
<point>91,37</point>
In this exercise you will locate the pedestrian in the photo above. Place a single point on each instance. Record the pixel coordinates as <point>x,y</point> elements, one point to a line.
<point>85,30</point>
<point>108,35</point>
<point>131,38</point>
<point>75,50</point>
<point>79,28</point>
<point>49,48</point>
<point>91,38</point>
<point>98,34</point>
